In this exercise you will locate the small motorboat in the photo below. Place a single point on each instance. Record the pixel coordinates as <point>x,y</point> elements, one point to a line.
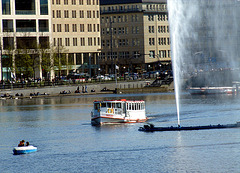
<point>24,149</point>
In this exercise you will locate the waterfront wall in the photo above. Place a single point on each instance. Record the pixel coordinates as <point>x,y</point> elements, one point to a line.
<point>124,87</point>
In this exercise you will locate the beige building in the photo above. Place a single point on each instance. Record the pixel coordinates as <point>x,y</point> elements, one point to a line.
<point>69,28</point>
<point>135,36</point>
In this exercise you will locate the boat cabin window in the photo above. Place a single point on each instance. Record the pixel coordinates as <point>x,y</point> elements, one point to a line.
<point>118,105</point>
<point>113,105</point>
<point>109,105</point>
<point>135,106</point>
<point>96,106</point>
<point>103,105</point>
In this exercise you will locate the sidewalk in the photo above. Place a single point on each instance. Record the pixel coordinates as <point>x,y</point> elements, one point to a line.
<point>55,90</point>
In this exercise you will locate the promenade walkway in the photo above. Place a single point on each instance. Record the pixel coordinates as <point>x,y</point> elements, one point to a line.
<point>123,87</point>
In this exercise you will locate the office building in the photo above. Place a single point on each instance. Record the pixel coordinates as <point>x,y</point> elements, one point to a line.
<point>135,36</point>
<point>68,29</point>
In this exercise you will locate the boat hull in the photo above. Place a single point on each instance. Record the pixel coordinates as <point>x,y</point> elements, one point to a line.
<point>24,150</point>
<point>210,90</point>
<point>107,120</point>
<point>151,128</point>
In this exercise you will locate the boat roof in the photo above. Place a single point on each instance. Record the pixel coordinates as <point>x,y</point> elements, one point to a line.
<point>120,100</point>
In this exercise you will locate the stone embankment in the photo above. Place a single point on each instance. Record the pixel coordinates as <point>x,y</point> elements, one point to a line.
<point>123,87</point>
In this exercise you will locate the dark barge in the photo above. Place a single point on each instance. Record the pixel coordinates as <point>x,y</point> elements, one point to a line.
<point>152,128</point>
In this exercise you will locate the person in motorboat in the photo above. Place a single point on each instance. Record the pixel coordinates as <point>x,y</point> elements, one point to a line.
<point>27,143</point>
<point>21,143</point>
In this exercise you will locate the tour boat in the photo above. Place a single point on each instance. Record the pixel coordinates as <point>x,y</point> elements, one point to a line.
<point>24,149</point>
<point>118,111</point>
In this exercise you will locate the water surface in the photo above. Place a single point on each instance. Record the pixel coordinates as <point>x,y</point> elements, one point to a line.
<point>66,141</point>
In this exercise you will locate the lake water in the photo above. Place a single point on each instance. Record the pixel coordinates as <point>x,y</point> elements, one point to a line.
<point>60,128</point>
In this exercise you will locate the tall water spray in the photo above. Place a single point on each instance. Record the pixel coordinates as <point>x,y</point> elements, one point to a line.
<point>205,43</point>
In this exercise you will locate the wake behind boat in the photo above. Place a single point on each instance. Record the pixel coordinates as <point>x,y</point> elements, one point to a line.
<point>118,111</point>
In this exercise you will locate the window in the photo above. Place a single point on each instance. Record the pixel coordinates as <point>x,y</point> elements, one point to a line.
<point>150,18</point>
<point>74,41</point>
<point>59,28</point>
<point>88,14</point>
<point>74,14</point>
<point>59,41</point>
<point>74,27</point>
<point>89,27</point>
<point>98,27</point>
<point>151,54</point>
<point>97,14</point>
<point>95,41</point>
<point>26,25</point>
<point>53,14</point>
<point>80,2</point>
<point>25,7</point>
<point>58,13</point>
<point>88,2</point>
<point>65,2</point>
<point>7,25</point>
<point>58,2</point>
<point>53,27</point>
<point>43,7</point>
<point>151,41</point>
<point>82,41</point>
<point>89,41</point>
<point>81,27</point>
<point>73,2</point>
<point>151,29</point>
<point>66,27</point>
<point>26,42</point>
<point>6,7</point>
<point>44,42</point>
<point>67,42</point>
<point>81,13</point>
<point>8,43</point>
<point>66,14</point>
<point>43,26</point>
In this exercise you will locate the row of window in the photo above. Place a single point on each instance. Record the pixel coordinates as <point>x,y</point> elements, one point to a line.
<point>128,8</point>
<point>91,41</point>
<point>160,29</point>
<point>24,7</point>
<point>129,106</point>
<point>10,43</point>
<point>25,25</point>
<point>135,55</point>
<point>161,41</point>
<point>82,14</point>
<point>120,19</point>
<point>134,42</point>
<point>159,17</point>
<point>135,106</point>
<point>117,8</point>
<point>161,54</point>
<point>74,2</point>
<point>157,7</point>
<point>76,28</point>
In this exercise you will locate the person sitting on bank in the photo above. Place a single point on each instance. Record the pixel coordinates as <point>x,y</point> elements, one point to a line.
<point>92,90</point>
